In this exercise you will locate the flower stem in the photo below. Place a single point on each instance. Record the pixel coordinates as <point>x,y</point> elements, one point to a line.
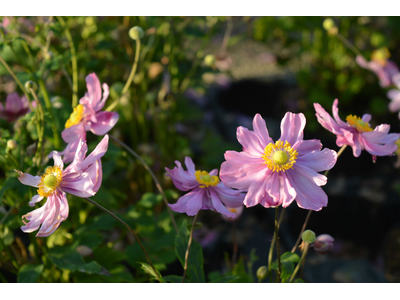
<point>303,256</point>
<point>277,243</point>
<point>271,249</point>
<point>130,78</point>
<point>152,175</point>
<point>40,117</point>
<point>130,230</point>
<point>188,248</point>
<point>73,60</point>
<point>348,44</point>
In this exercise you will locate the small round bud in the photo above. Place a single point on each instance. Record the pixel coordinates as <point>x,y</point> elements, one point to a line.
<point>209,60</point>
<point>324,243</point>
<point>136,33</point>
<point>11,144</point>
<point>31,85</point>
<point>328,24</point>
<point>308,236</point>
<point>262,272</point>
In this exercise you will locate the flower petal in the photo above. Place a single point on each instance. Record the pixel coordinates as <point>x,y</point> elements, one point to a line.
<point>260,129</point>
<point>292,127</point>
<point>28,179</point>
<point>106,120</point>
<point>318,160</point>
<point>218,205</point>
<point>250,141</point>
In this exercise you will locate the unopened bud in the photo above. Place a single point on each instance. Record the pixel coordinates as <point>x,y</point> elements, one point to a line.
<point>324,243</point>
<point>31,85</point>
<point>209,60</point>
<point>262,272</point>
<point>11,144</point>
<point>308,236</point>
<point>136,33</point>
<point>328,24</point>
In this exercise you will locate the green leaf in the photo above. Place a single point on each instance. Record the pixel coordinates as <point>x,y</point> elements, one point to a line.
<point>29,273</point>
<point>148,269</point>
<point>148,200</point>
<point>299,280</point>
<point>287,269</point>
<point>174,279</point>
<point>286,257</point>
<point>226,279</point>
<point>68,259</point>
<point>195,271</point>
<point>11,182</point>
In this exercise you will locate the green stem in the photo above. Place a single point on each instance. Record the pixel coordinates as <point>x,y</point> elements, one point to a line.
<point>130,230</point>
<point>277,243</point>
<point>40,117</point>
<point>152,175</point>
<point>130,78</point>
<point>73,60</point>
<point>188,248</point>
<point>303,256</point>
<point>271,248</point>
<point>348,44</point>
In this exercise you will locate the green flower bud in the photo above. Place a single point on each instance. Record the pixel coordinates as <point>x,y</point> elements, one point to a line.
<point>209,60</point>
<point>11,144</point>
<point>31,85</point>
<point>328,24</point>
<point>136,33</point>
<point>262,272</point>
<point>308,236</point>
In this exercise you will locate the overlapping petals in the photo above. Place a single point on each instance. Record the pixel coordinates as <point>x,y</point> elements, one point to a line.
<point>378,142</point>
<point>81,178</point>
<point>384,72</point>
<point>248,170</point>
<point>15,108</point>
<point>93,119</point>
<point>216,197</point>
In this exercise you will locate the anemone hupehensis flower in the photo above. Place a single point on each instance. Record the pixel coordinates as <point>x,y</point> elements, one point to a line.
<point>357,133</point>
<point>207,192</point>
<point>87,116</point>
<point>278,173</point>
<point>81,178</point>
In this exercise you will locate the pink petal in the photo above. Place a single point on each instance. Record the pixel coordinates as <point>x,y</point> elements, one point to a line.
<point>74,133</point>
<point>377,135</point>
<point>242,176</point>
<point>292,127</point>
<point>35,199</point>
<point>192,199</point>
<point>105,122</point>
<point>96,154</point>
<point>28,179</point>
<point>306,146</point>
<point>230,197</point>
<point>379,150</point>
<point>256,192</point>
<point>326,120</point>
<point>318,160</point>
<point>13,103</point>
<point>81,186</point>
<point>218,205</point>
<point>335,112</point>
<point>190,165</point>
<point>260,129</point>
<point>250,142</point>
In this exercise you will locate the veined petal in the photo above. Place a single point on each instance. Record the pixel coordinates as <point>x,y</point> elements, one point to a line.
<point>260,128</point>
<point>292,127</point>
<point>241,177</point>
<point>28,179</point>
<point>190,165</point>
<point>256,192</point>
<point>250,141</point>
<point>81,186</point>
<point>217,204</point>
<point>305,146</point>
<point>190,203</point>
<point>377,149</point>
<point>230,197</point>
<point>318,160</point>
<point>96,154</point>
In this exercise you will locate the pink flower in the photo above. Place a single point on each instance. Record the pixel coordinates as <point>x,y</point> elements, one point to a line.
<point>383,69</point>
<point>87,116</point>
<point>278,173</point>
<point>394,95</point>
<point>81,178</point>
<point>207,192</point>
<point>324,243</point>
<point>357,133</point>
<point>15,107</point>
<point>236,210</point>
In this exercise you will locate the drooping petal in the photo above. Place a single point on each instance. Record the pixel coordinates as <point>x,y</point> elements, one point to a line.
<point>105,122</point>
<point>230,197</point>
<point>74,133</point>
<point>81,186</point>
<point>378,149</point>
<point>218,205</point>
<point>190,203</point>
<point>35,199</point>
<point>28,179</point>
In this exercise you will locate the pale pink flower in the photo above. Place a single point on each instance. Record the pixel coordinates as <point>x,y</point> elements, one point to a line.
<point>207,192</point>
<point>323,244</point>
<point>394,95</point>
<point>278,173</point>
<point>16,107</point>
<point>81,178</point>
<point>357,133</point>
<point>384,70</point>
<point>236,210</point>
<point>87,116</point>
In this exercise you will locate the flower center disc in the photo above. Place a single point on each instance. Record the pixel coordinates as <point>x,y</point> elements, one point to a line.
<point>279,156</point>
<point>75,117</point>
<point>50,181</point>
<point>358,123</point>
<point>206,179</point>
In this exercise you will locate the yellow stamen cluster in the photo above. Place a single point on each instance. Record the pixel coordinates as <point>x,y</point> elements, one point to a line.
<point>380,56</point>
<point>279,156</point>
<point>358,123</point>
<point>76,116</point>
<point>206,179</point>
<point>50,181</point>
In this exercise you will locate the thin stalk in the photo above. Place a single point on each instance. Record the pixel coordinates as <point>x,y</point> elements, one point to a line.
<point>277,243</point>
<point>302,259</point>
<point>73,61</point>
<point>271,249</point>
<point>227,36</point>
<point>188,248</point>
<point>348,44</point>
<point>40,116</point>
<point>130,230</point>
<point>152,175</point>
<point>130,78</point>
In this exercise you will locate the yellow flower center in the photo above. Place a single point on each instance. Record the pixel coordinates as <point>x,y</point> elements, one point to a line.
<point>75,117</point>
<point>380,56</point>
<point>279,156</point>
<point>206,179</point>
<point>358,123</point>
<point>50,181</point>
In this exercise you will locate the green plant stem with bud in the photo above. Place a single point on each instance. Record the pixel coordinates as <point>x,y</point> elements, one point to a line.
<point>302,259</point>
<point>73,61</point>
<point>188,248</point>
<point>160,189</point>
<point>131,231</point>
<point>309,212</point>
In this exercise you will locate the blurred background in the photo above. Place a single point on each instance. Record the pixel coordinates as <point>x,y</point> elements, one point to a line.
<point>198,79</point>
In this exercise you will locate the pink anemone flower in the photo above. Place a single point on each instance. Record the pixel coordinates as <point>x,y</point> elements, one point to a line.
<point>383,69</point>
<point>357,133</point>
<point>81,178</point>
<point>323,244</point>
<point>207,192</point>
<point>278,173</point>
<point>15,107</point>
<point>394,95</point>
<point>87,116</point>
